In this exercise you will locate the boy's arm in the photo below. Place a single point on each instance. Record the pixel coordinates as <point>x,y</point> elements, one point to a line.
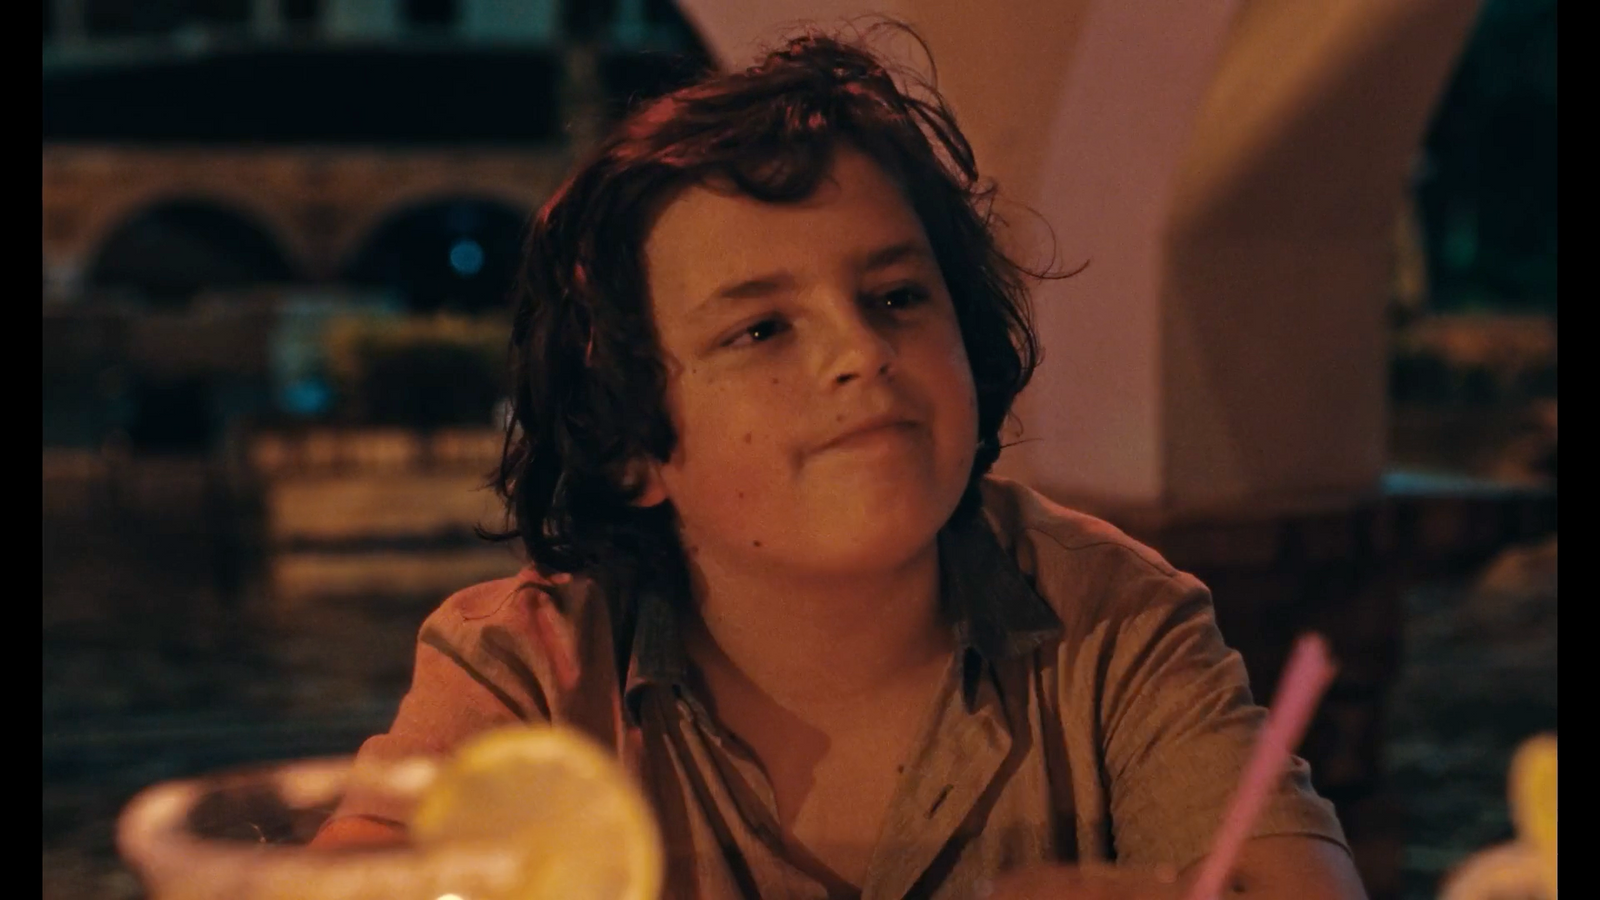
<point>356,831</point>
<point>466,680</point>
<point>447,703</point>
<point>1292,867</point>
<point>1270,868</point>
<point>1179,727</point>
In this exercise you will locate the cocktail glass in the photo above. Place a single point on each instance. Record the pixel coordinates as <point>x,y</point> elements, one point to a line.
<point>242,835</point>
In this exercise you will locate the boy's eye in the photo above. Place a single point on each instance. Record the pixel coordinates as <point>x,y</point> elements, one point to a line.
<point>903,297</point>
<point>761,331</point>
<point>899,298</point>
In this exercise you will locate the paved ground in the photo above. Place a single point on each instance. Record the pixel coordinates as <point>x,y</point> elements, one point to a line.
<point>152,671</point>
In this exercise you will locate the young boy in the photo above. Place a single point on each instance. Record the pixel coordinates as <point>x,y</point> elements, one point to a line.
<point>764,344</point>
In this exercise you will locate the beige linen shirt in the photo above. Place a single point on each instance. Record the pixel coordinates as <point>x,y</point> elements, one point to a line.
<point>1091,712</point>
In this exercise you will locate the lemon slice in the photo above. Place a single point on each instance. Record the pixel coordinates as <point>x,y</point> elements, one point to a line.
<point>581,827</point>
<point>1533,801</point>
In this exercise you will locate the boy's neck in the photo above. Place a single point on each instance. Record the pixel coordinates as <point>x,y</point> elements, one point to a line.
<point>820,645</point>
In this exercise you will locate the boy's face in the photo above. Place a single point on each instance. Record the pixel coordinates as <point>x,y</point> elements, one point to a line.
<point>785,327</point>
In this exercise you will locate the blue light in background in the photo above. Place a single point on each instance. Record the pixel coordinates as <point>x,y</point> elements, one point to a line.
<point>466,257</point>
<point>307,397</point>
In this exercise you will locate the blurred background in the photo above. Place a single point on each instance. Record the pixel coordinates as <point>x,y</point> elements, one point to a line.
<point>277,241</point>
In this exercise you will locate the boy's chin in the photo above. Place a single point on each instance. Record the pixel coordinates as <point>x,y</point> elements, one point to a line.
<point>893,498</point>
<point>866,551</point>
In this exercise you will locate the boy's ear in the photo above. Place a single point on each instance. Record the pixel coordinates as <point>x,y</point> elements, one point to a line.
<point>647,474</point>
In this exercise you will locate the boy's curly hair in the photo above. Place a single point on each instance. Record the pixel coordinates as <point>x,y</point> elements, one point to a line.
<point>589,385</point>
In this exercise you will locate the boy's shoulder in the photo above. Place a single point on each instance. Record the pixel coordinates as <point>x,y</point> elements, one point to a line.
<point>1079,563</point>
<point>495,598</point>
<point>1027,521</point>
<point>525,632</point>
<point>509,605</point>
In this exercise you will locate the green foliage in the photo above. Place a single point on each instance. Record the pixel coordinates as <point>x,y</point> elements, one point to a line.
<point>1487,188</point>
<point>418,372</point>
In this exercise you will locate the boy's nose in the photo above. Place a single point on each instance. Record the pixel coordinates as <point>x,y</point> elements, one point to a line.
<point>860,351</point>
<point>843,377</point>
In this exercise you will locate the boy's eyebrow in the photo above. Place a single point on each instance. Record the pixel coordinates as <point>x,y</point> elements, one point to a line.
<point>895,253</point>
<point>774,282</point>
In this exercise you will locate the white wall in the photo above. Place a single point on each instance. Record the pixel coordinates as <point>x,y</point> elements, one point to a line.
<point>1231,170</point>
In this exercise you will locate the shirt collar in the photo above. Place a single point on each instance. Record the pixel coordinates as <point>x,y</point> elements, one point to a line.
<point>996,614</point>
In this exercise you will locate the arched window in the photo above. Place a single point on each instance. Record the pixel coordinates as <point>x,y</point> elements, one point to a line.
<point>456,254</point>
<point>167,253</point>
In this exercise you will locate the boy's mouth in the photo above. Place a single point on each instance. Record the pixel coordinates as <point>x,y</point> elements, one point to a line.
<point>867,430</point>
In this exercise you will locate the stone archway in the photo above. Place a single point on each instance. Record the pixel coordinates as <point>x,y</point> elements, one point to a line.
<point>168,251</point>
<point>455,253</point>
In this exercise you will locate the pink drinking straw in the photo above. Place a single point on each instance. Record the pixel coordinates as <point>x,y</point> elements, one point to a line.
<point>1304,679</point>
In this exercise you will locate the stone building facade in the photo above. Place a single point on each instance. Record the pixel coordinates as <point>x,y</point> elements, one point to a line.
<point>318,205</point>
